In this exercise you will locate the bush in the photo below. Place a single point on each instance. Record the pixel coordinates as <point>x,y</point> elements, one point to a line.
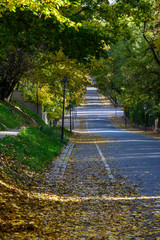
<point>136,115</point>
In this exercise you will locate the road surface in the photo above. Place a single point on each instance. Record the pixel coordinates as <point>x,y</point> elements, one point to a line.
<point>132,156</point>
<point>107,185</point>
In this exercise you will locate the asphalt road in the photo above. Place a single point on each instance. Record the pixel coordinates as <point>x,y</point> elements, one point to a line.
<point>132,156</point>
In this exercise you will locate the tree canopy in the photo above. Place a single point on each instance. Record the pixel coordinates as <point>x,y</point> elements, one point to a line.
<point>119,42</point>
<point>131,72</point>
<point>35,28</point>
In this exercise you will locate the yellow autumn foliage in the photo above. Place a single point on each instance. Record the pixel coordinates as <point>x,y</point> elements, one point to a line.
<point>47,76</point>
<point>48,8</point>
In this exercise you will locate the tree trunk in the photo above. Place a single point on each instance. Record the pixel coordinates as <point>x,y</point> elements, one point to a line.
<point>11,70</point>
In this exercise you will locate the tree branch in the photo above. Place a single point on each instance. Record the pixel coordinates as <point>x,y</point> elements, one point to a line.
<point>83,9</point>
<point>151,46</point>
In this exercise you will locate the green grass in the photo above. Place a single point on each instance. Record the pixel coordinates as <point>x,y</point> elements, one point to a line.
<point>35,147</point>
<point>2,127</point>
<point>6,118</point>
<point>30,114</point>
<point>20,116</point>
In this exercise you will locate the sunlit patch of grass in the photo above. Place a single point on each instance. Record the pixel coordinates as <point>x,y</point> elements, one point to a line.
<point>8,119</point>
<point>36,147</point>
<point>15,115</point>
<point>30,116</point>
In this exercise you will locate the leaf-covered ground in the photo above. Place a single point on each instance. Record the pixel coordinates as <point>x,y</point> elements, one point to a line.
<point>87,206</point>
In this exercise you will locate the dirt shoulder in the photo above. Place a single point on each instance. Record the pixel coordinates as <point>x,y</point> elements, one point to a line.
<point>121,123</point>
<point>124,124</point>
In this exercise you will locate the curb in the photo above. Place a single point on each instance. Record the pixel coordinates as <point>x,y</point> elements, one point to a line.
<point>66,152</point>
<point>57,172</point>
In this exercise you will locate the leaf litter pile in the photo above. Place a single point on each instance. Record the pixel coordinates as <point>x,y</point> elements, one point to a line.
<point>87,205</point>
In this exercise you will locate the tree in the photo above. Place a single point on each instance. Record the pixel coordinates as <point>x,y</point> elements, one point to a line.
<point>40,26</point>
<point>12,68</point>
<point>133,62</point>
<point>47,76</point>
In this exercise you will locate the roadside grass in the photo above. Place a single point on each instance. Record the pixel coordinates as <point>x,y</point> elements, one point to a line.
<point>2,127</point>
<point>35,147</point>
<point>6,118</point>
<point>15,115</point>
<point>28,114</point>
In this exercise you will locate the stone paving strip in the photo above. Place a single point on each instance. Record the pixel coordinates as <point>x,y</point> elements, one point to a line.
<point>86,174</point>
<point>63,168</point>
<point>56,173</point>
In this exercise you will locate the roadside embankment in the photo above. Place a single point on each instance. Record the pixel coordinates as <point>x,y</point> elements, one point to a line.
<point>120,121</point>
<point>15,116</point>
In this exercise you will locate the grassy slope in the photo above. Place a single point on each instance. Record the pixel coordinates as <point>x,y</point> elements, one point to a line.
<point>34,146</point>
<point>14,115</point>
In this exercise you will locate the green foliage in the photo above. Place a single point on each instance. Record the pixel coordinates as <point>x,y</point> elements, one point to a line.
<point>86,42</point>
<point>133,63</point>
<point>25,30</point>
<point>124,36</point>
<point>100,71</point>
<point>45,80</point>
<point>35,147</point>
<point>137,115</point>
<point>2,127</point>
<point>35,27</point>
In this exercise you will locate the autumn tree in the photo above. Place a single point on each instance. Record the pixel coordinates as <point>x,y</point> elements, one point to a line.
<point>133,62</point>
<point>39,26</point>
<point>23,33</point>
<point>47,78</point>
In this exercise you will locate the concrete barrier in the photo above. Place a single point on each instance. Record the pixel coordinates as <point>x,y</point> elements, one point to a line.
<point>31,106</point>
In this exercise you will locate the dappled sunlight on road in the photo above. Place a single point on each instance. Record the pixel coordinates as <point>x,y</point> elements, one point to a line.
<point>100,113</point>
